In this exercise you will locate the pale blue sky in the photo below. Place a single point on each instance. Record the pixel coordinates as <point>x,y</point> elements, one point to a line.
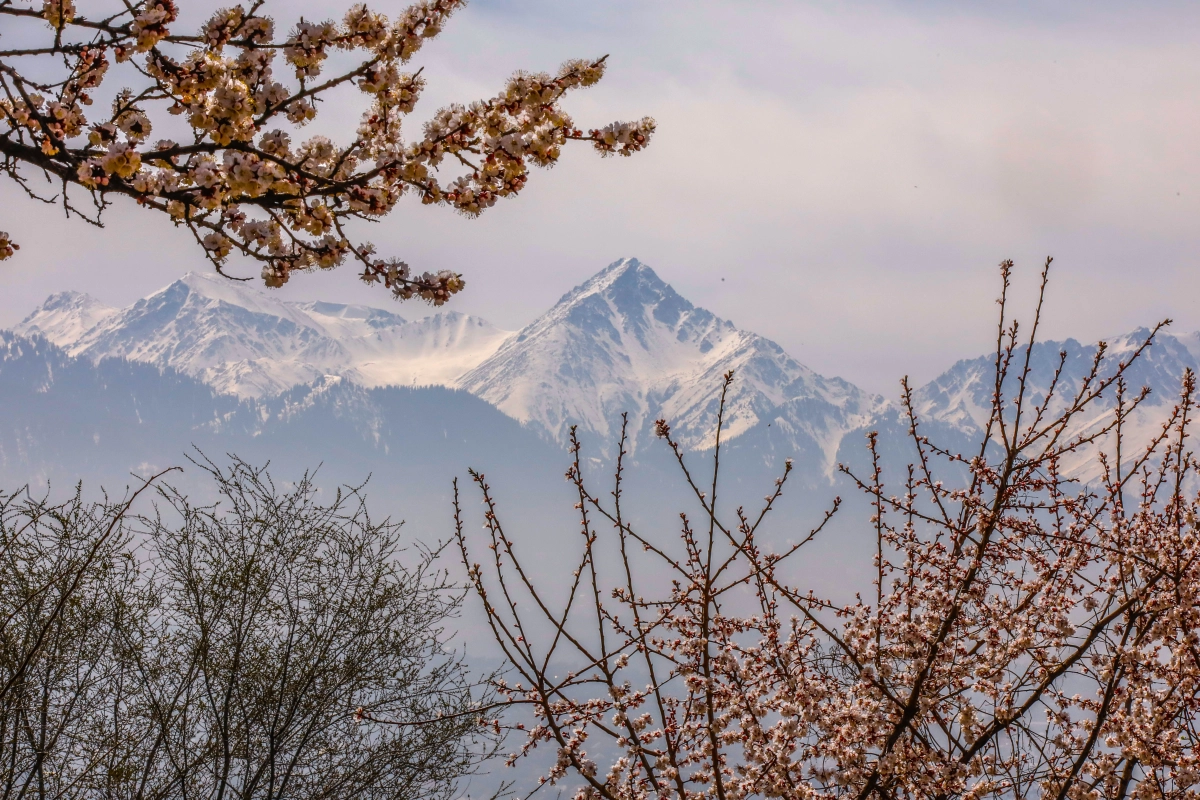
<point>853,171</point>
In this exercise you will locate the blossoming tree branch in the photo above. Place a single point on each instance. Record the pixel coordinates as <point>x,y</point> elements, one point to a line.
<point>1025,635</point>
<point>242,180</point>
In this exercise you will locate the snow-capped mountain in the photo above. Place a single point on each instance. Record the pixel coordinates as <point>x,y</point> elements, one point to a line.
<point>625,341</point>
<point>960,398</point>
<point>243,341</point>
<point>65,317</point>
<point>64,419</point>
<point>622,341</point>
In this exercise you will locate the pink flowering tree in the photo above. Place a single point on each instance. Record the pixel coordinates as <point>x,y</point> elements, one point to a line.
<point>241,177</point>
<point>1025,635</point>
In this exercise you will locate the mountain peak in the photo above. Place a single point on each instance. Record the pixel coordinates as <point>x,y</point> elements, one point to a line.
<point>623,276</point>
<point>212,285</point>
<point>67,299</point>
<point>64,317</point>
<point>616,270</point>
<point>625,299</point>
<point>203,286</point>
<point>625,340</point>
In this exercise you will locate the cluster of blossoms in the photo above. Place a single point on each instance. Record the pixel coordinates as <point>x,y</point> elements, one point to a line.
<point>1025,636</point>
<point>241,184</point>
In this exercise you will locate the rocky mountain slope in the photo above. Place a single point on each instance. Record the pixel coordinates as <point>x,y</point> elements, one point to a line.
<point>247,342</point>
<point>623,341</point>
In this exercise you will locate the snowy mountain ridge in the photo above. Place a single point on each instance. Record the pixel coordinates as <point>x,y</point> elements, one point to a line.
<point>622,341</point>
<point>960,398</point>
<point>626,341</point>
<point>243,341</point>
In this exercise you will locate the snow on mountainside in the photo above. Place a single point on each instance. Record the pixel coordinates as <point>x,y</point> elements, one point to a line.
<point>244,341</point>
<point>64,419</point>
<point>622,341</point>
<point>65,317</point>
<point>960,397</point>
<point>626,341</point>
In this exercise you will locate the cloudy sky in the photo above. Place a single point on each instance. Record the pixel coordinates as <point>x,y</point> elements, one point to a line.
<point>840,177</point>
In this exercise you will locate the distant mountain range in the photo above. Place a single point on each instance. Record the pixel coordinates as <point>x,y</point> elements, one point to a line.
<point>245,342</point>
<point>623,341</point>
<point>64,419</point>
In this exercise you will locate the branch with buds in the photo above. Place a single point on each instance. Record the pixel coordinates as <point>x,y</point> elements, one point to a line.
<point>240,182</point>
<point>1026,636</point>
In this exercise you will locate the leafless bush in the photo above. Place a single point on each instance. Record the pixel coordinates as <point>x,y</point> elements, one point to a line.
<point>232,652</point>
<point>66,577</point>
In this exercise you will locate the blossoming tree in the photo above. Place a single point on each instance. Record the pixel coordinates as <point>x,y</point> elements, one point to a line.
<point>1025,635</point>
<point>240,178</point>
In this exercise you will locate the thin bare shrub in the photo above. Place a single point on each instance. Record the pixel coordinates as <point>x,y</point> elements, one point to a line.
<point>66,578</point>
<point>227,649</point>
